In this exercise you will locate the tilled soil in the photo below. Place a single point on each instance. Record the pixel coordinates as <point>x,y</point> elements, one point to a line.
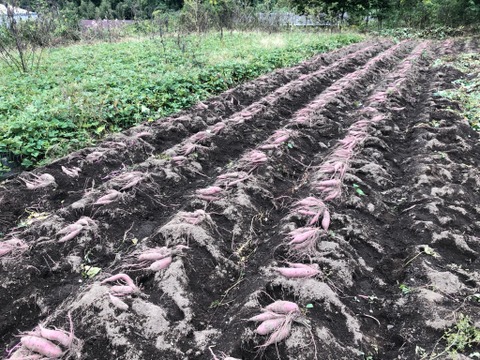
<point>398,262</point>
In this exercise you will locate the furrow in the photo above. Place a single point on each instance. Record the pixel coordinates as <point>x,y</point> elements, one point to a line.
<point>334,254</point>
<point>424,228</point>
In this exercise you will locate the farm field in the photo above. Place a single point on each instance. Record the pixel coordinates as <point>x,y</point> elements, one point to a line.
<point>82,92</point>
<point>346,185</point>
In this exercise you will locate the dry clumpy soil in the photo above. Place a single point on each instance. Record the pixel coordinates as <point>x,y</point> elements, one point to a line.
<point>398,264</point>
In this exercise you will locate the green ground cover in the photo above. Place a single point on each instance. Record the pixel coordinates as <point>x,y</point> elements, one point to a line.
<point>81,92</point>
<point>467,89</point>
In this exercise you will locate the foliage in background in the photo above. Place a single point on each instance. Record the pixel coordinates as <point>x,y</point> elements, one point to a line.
<point>418,14</point>
<point>82,92</point>
<point>437,32</point>
<point>422,18</point>
<point>364,14</point>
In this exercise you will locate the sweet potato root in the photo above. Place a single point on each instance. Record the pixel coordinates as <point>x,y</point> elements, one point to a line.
<point>39,181</point>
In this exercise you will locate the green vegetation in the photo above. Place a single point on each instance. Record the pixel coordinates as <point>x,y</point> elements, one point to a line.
<point>82,92</point>
<point>390,13</point>
<point>461,338</point>
<point>466,90</point>
<point>419,14</point>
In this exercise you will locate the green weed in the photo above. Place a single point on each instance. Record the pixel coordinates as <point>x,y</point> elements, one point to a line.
<point>463,337</point>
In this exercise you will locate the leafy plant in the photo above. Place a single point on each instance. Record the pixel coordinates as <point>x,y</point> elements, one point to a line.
<point>358,190</point>
<point>425,249</point>
<point>89,271</point>
<point>460,338</point>
<point>405,289</point>
<point>466,91</point>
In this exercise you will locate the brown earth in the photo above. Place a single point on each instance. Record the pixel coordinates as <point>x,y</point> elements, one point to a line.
<point>399,263</point>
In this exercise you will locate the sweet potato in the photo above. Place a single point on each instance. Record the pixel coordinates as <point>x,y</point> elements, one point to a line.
<point>212,193</point>
<point>60,336</point>
<point>122,290</point>
<point>12,245</point>
<point>71,172</point>
<point>195,217</point>
<point>127,180</point>
<point>95,156</point>
<point>155,259</point>
<point>124,277</point>
<point>161,264</point>
<point>155,254</point>
<point>326,220</point>
<point>217,128</point>
<point>119,304</point>
<point>304,234</point>
<point>71,231</point>
<point>268,326</point>
<point>109,197</point>
<point>283,307</point>
<point>280,334</point>
<point>267,315</point>
<point>42,346</point>
<point>39,181</point>
<point>212,190</point>
<point>295,273</point>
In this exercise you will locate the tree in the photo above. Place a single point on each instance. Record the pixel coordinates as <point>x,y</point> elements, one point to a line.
<point>23,36</point>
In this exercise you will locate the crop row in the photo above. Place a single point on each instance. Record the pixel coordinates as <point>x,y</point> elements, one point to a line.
<point>91,166</point>
<point>196,243</point>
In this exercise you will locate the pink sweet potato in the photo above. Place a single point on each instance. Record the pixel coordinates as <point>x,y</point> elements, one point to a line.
<point>270,325</point>
<point>119,304</point>
<point>326,220</point>
<point>39,181</point>
<point>217,128</point>
<point>12,245</point>
<point>60,336</point>
<point>280,334</point>
<point>161,264</point>
<point>124,277</point>
<point>328,183</point>
<point>267,315</point>
<point>71,172</point>
<point>42,346</point>
<point>155,254</point>
<point>332,195</point>
<point>212,190</point>
<point>294,273</point>
<point>302,266</point>
<point>283,307</point>
<point>109,197</point>
<point>122,290</point>
<point>73,230</point>
<point>304,234</point>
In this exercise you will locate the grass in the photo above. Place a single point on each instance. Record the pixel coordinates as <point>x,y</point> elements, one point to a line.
<point>81,92</point>
<point>466,90</point>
